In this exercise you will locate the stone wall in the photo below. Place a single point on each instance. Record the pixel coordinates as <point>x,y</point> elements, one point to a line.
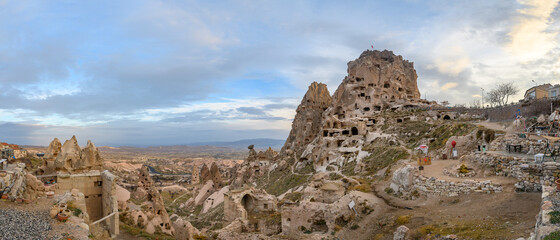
<point>436,186</point>
<point>531,175</point>
<point>550,201</point>
<point>109,202</point>
<point>88,183</point>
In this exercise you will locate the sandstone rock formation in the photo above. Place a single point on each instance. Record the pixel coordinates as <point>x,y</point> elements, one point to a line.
<point>204,174</point>
<point>154,217</point>
<point>69,158</point>
<point>195,177</point>
<point>254,166</point>
<point>307,122</point>
<point>375,80</point>
<point>216,176</point>
<point>252,154</point>
<point>54,149</point>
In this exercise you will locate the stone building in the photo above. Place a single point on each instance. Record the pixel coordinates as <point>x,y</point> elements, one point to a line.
<point>248,203</point>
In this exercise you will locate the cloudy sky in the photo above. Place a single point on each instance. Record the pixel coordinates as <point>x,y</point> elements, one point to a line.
<point>173,72</point>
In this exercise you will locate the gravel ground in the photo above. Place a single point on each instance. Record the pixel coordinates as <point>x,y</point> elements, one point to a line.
<point>18,224</point>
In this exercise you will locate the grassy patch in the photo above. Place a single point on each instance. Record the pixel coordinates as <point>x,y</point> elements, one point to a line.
<point>348,168</point>
<point>472,229</point>
<point>285,183</point>
<point>140,233</point>
<point>402,220</point>
<point>365,186</point>
<point>335,176</point>
<point>306,170</point>
<point>553,236</point>
<point>382,155</point>
<point>293,196</point>
<point>444,132</point>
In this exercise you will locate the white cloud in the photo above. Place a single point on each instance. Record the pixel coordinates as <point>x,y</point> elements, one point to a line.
<point>448,86</point>
<point>530,37</point>
<point>452,60</point>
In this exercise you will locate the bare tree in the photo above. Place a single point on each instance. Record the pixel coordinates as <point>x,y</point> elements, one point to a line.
<point>499,96</point>
<point>493,97</point>
<point>506,90</point>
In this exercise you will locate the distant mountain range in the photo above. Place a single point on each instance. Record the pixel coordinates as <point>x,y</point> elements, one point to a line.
<point>260,143</point>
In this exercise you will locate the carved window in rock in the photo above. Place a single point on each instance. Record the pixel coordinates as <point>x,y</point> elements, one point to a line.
<point>354,131</point>
<point>386,85</point>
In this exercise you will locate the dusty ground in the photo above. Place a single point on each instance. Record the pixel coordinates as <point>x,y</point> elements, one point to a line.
<point>505,215</point>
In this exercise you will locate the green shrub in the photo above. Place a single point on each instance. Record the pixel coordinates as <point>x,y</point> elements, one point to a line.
<point>77,212</point>
<point>389,190</point>
<point>554,217</point>
<point>553,236</point>
<point>463,169</point>
<point>355,226</point>
<point>402,220</point>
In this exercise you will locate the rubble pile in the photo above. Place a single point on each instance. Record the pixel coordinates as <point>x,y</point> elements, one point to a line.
<point>21,184</point>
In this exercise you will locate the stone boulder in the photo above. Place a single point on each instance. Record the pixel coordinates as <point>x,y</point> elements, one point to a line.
<point>403,179</point>
<point>35,188</point>
<point>401,232</point>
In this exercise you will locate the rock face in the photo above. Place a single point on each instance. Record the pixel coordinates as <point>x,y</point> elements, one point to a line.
<point>307,122</point>
<point>324,127</point>
<point>69,158</point>
<point>375,80</point>
<point>212,173</point>
<point>216,176</point>
<point>204,174</point>
<point>54,149</point>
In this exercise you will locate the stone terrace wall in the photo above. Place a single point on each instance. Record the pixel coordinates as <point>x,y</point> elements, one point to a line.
<point>532,109</point>
<point>532,176</point>
<point>549,203</point>
<point>436,186</point>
